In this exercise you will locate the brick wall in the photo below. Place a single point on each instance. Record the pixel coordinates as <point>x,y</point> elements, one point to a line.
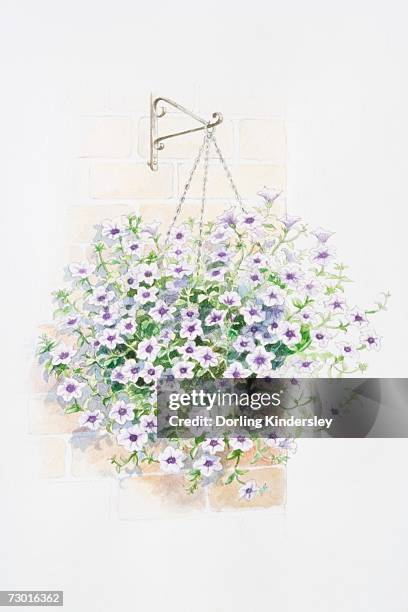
<point>113,178</point>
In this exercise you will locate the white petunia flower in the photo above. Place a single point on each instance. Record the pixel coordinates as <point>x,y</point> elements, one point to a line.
<point>207,464</point>
<point>92,419</point>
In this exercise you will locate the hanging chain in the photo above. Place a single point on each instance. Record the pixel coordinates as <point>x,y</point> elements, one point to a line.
<point>229,175</point>
<point>209,135</point>
<point>186,188</point>
<point>209,138</point>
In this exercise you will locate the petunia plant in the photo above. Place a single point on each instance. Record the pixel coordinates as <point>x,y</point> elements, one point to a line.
<point>265,299</point>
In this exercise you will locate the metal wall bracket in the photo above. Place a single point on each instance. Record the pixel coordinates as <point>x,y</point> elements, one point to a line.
<point>156,141</point>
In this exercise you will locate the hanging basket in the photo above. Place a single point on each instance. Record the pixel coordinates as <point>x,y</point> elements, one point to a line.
<point>244,295</point>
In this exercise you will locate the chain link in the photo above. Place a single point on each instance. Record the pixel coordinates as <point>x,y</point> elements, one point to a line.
<point>229,175</point>
<point>209,135</point>
<point>186,188</point>
<point>209,138</point>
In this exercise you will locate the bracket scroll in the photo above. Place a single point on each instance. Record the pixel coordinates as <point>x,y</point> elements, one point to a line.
<point>157,142</point>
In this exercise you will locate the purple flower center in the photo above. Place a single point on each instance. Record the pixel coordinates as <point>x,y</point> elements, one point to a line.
<point>249,220</point>
<point>241,439</point>
<point>260,360</point>
<point>133,437</point>
<point>347,349</point>
<point>214,443</point>
<point>191,328</point>
<point>236,374</point>
<point>370,340</point>
<point>290,276</point>
<point>131,281</point>
<point>319,336</point>
<point>91,418</point>
<point>183,370</point>
<point>70,388</point>
<point>129,325</point>
<point>146,294</point>
<point>111,338</point>
<point>64,355</point>
<point>322,255</point>
<point>290,334</point>
<point>163,310</point>
<point>171,460</point>
<point>190,350</point>
<point>149,348</point>
<point>358,318</point>
<point>336,304</point>
<point>179,235</point>
<point>106,316</point>
<point>253,312</point>
<point>114,231</point>
<point>122,411</point>
<point>208,463</point>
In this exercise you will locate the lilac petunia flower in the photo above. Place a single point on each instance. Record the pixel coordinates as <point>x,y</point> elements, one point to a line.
<point>112,229</point>
<point>91,419</point>
<point>109,338</point>
<point>207,358</point>
<point>162,313</point>
<point>62,354</point>
<point>207,464</point>
<point>107,316</point>
<point>127,327</point>
<point>183,369</point>
<point>132,370</point>
<point>252,313</point>
<point>291,276</point>
<point>272,296</point>
<point>188,350</point>
<point>171,460</point>
<point>244,344</point>
<point>236,370</point>
<point>81,270</point>
<point>242,443</point>
<point>151,373</point>
<point>191,329</point>
<point>289,333</point>
<point>121,412</point>
<point>259,360</point>
<point>70,389</point>
<point>213,446</point>
<point>269,194</point>
<point>370,340</point>
<point>321,234</point>
<point>322,256</point>
<point>216,317</point>
<point>230,299</point>
<point>145,295</point>
<point>248,490</point>
<point>101,296</point>
<point>133,438</point>
<point>289,221</point>
<point>147,273</point>
<point>320,337</point>
<point>148,349</point>
<point>358,317</point>
<point>148,422</point>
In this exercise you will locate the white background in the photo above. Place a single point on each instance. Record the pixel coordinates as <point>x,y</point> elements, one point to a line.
<point>339,72</point>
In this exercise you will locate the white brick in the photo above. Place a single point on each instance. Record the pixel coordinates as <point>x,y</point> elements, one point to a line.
<point>262,139</point>
<point>185,146</point>
<point>249,179</point>
<point>130,180</point>
<point>105,136</point>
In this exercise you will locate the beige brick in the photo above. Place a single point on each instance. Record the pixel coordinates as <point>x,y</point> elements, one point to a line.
<point>105,137</point>
<point>262,139</point>
<point>91,455</point>
<point>50,457</point>
<point>130,180</point>
<point>186,146</point>
<point>248,178</point>
<point>39,381</point>
<point>226,497</point>
<point>83,219</point>
<point>46,416</point>
<point>142,497</point>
